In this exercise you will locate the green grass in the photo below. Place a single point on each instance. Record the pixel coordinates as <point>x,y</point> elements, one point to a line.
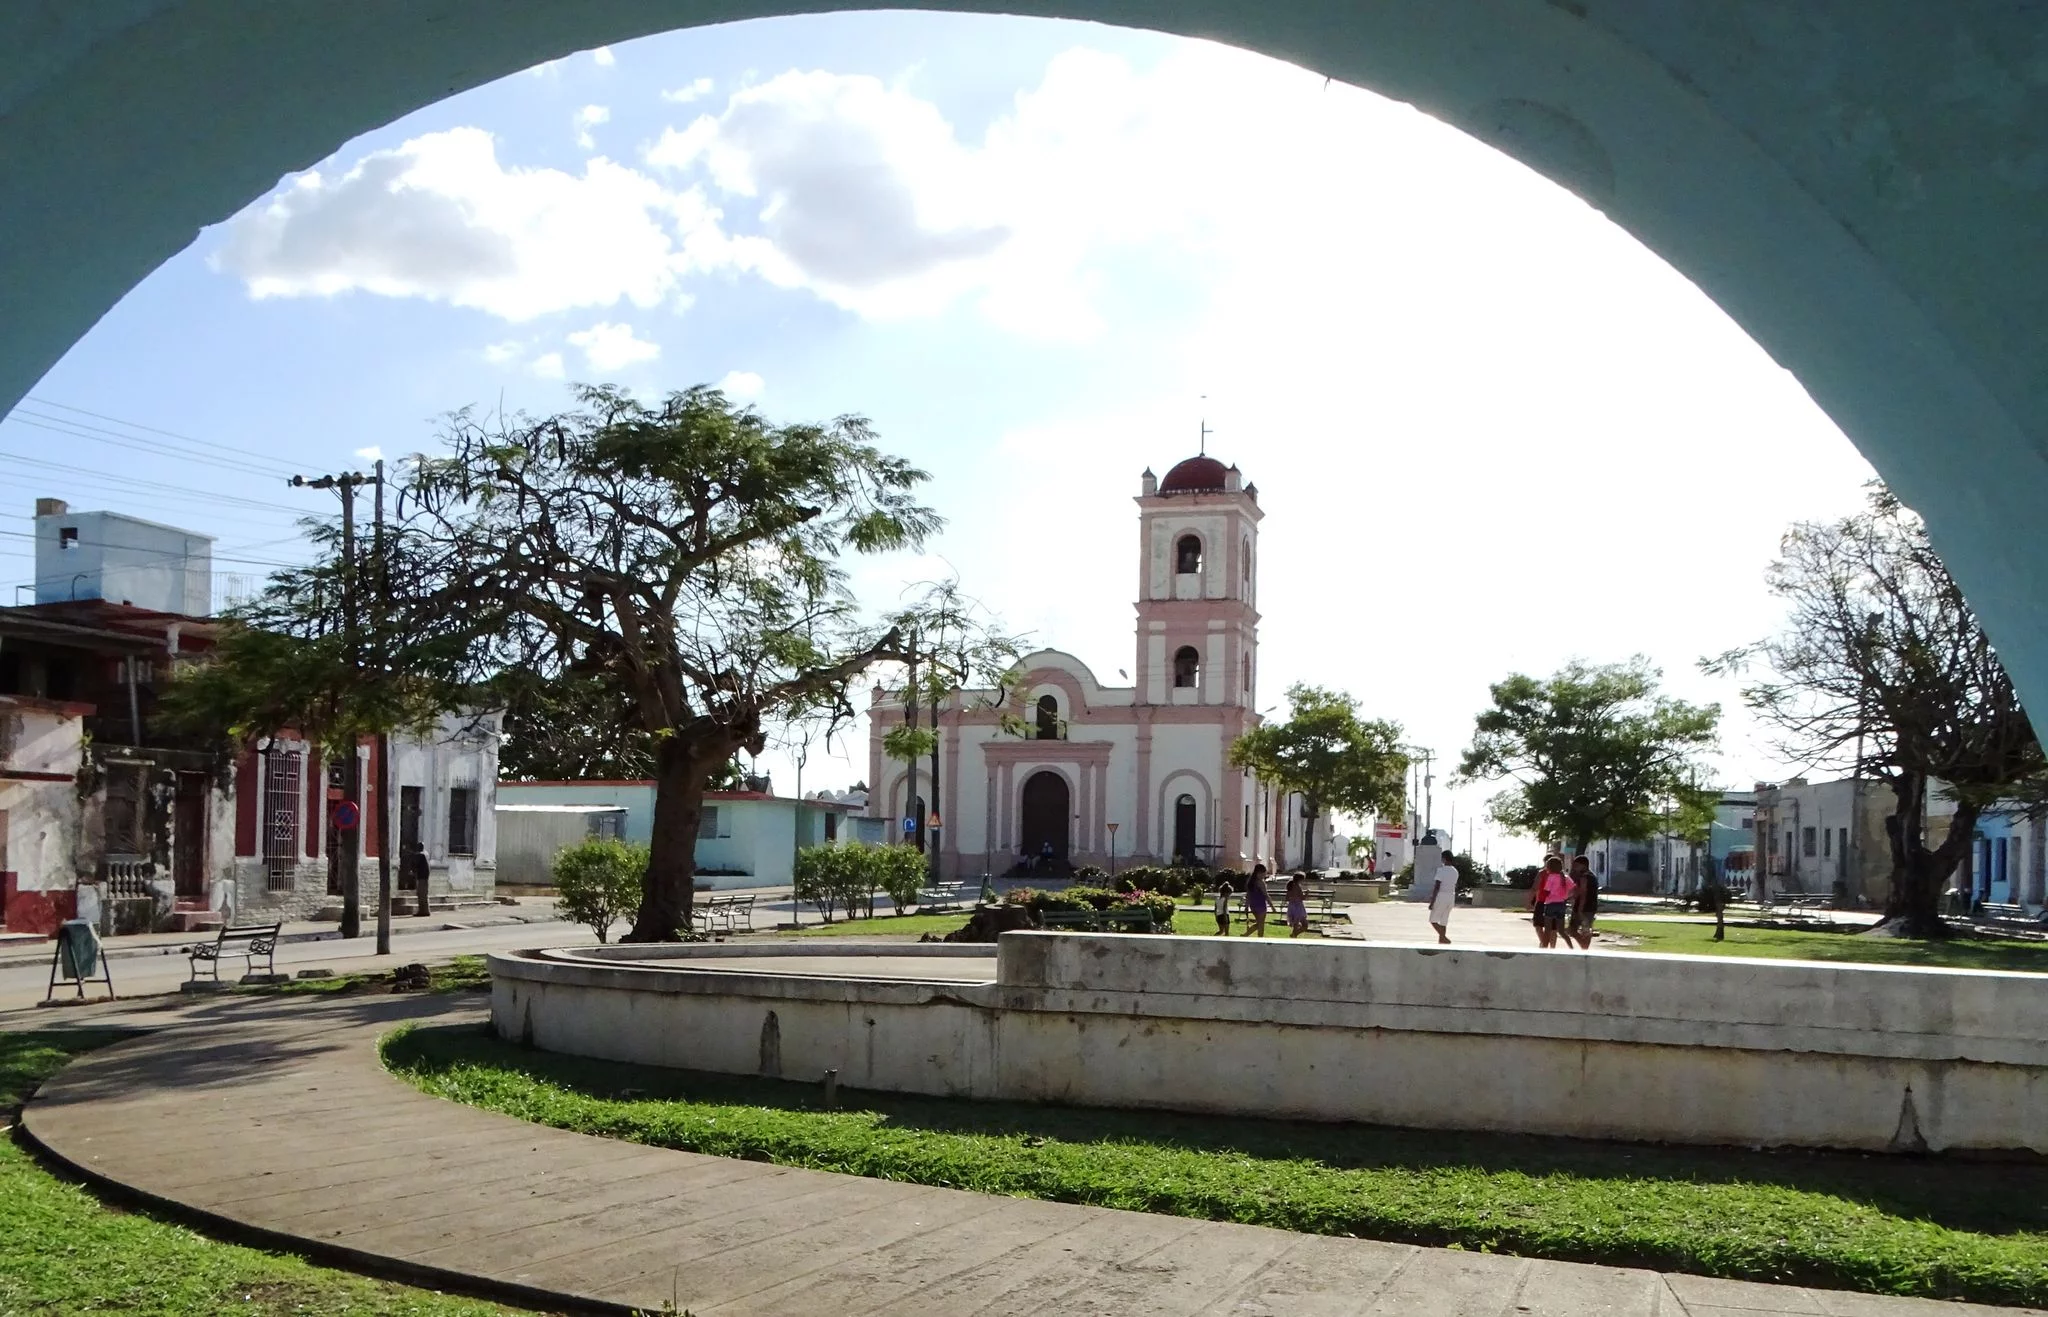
<point>1189,920</point>
<point>1974,1231</point>
<point>1962,952</point>
<point>462,974</point>
<point>64,1253</point>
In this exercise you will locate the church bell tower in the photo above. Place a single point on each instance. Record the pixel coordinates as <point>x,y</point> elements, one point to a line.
<point>1198,622</point>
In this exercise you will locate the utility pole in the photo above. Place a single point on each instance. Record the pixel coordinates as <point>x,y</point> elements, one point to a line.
<point>383,584</point>
<point>910,802</point>
<point>349,839</point>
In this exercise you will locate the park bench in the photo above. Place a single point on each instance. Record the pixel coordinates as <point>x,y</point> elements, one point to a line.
<point>729,914</point>
<point>1084,920</point>
<point>944,896</point>
<point>1795,905</point>
<point>2002,910</point>
<point>1132,920</point>
<point>247,941</point>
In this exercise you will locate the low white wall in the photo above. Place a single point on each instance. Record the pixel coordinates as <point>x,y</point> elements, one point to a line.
<point>1675,1049</point>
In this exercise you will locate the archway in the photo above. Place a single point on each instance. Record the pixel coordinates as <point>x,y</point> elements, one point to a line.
<point>1045,816</point>
<point>1896,272</point>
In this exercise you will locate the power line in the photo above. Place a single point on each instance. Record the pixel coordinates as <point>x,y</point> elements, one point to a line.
<point>147,486</point>
<point>229,449</point>
<point>99,434</point>
<point>161,553</point>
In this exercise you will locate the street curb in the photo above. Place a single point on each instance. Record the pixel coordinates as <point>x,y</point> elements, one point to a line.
<point>17,960</point>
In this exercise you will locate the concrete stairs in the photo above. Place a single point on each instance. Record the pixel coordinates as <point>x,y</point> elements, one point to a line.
<point>193,917</point>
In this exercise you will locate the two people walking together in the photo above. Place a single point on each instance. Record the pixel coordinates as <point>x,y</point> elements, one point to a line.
<point>1258,904</point>
<point>1563,902</point>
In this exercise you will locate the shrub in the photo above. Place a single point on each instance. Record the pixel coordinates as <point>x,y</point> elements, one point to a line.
<point>1524,877</point>
<point>598,882</point>
<point>1160,905</point>
<point>900,871</point>
<point>1091,873</point>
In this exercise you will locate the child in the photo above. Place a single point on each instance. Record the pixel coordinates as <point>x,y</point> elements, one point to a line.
<point>1256,902</point>
<point>1222,906</point>
<point>1297,906</point>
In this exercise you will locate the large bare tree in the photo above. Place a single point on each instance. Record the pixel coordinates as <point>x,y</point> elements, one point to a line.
<point>1882,670</point>
<point>683,557</point>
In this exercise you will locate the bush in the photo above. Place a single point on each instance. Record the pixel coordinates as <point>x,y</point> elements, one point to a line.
<point>1525,877</point>
<point>1079,900</point>
<point>1091,873</point>
<point>900,871</point>
<point>599,882</point>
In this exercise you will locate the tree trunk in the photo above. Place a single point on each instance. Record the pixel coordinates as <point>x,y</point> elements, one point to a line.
<point>1920,875</point>
<point>667,897</point>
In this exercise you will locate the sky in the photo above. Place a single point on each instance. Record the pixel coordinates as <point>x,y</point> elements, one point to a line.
<point>1491,431</point>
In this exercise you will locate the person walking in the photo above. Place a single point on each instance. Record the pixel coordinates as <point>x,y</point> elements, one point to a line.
<point>1549,896</point>
<point>1297,904</point>
<point>1223,895</point>
<point>1443,897</point>
<point>414,873</point>
<point>1585,902</point>
<point>1257,902</point>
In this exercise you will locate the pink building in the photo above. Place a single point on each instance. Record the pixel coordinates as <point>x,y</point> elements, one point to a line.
<point>1143,767</point>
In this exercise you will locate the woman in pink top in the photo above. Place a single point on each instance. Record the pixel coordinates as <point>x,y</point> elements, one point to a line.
<point>1550,896</point>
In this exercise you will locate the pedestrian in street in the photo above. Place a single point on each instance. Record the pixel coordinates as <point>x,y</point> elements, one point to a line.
<point>1257,902</point>
<point>1549,896</point>
<point>1443,897</point>
<point>1223,895</point>
<point>413,873</point>
<point>1297,904</point>
<point>1585,902</point>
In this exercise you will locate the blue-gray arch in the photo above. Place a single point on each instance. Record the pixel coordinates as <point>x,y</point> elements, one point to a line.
<point>1859,183</point>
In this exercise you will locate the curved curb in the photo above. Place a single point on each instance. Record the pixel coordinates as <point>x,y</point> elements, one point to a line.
<point>338,1257</point>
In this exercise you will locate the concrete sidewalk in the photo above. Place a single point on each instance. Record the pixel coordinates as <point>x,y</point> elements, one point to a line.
<point>276,1118</point>
<point>528,910</point>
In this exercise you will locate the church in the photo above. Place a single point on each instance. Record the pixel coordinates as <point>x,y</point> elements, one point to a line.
<point>1135,774</point>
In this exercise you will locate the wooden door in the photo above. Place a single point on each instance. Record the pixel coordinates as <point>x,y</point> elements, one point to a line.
<point>188,846</point>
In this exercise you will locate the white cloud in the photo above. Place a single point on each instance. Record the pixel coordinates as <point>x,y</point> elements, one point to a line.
<point>503,354</point>
<point>694,90</point>
<point>587,118</point>
<point>441,218</point>
<point>371,454</point>
<point>608,347</point>
<point>740,385</point>
<point>547,366</point>
<point>603,57</point>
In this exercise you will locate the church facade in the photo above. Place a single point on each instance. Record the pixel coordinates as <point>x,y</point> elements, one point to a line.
<point>1140,773</point>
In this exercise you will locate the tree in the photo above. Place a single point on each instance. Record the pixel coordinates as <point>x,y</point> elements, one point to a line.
<point>304,655</point>
<point>1325,751</point>
<point>685,555</point>
<point>1594,751</point>
<point>570,728</point>
<point>1882,669</point>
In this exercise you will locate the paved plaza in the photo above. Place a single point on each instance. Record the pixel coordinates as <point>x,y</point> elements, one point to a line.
<point>288,1127</point>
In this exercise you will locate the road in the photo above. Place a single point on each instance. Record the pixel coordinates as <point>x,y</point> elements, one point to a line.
<point>22,986</point>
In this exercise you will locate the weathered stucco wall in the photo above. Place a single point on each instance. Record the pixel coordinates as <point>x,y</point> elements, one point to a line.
<point>1605,1046</point>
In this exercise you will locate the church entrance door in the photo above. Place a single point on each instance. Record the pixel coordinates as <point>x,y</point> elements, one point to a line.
<point>1184,831</point>
<point>1047,811</point>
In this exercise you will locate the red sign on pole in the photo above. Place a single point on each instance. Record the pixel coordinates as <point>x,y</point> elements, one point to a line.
<point>345,815</point>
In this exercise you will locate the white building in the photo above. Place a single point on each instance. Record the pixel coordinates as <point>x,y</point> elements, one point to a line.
<point>121,559</point>
<point>1140,772</point>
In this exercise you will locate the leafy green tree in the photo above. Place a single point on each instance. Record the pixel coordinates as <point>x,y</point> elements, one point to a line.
<point>571,728</point>
<point>685,555</point>
<point>1883,670</point>
<point>597,883</point>
<point>1594,751</point>
<point>1335,759</point>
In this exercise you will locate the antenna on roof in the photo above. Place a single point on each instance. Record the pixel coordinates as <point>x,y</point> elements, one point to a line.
<point>1203,448</point>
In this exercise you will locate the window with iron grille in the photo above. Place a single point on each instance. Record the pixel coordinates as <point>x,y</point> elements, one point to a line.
<point>281,805</point>
<point>462,820</point>
<point>1806,841</point>
<point>707,822</point>
<point>122,812</point>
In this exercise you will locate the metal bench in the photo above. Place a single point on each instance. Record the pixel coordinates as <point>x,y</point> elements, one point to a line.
<point>2002,910</point>
<point>247,941</point>
<point>1083,920</point>
<point>1796,905</point>
<point>944,896</point>
<point>1132,919</point>
<point>729,914</point>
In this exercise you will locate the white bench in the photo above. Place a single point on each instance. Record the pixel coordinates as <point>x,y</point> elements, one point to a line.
<point>247,941</point>
<point>2002,910</point>
<point>729,914</point>
<point>944,896</point>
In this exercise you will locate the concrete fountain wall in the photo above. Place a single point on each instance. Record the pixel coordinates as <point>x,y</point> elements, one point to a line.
<point>1661,1048</point>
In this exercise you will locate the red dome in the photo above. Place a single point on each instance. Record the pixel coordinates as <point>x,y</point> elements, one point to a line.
<point>1195,475</point>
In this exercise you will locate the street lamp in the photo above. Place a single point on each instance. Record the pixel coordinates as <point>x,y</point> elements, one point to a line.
<point>1112,847</point>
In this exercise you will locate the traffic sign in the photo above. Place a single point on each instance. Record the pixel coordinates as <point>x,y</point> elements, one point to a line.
<point>345,815</point>
<point>909,823</point>
<point>1390,832</point>
<point>933,821</point>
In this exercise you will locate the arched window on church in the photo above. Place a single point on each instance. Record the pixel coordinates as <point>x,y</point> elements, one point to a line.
<point>1246,559</point>
<point>1048,718</point>
<point>1188,555</point>
<point>1247,674</point>
<point>1187,667</point>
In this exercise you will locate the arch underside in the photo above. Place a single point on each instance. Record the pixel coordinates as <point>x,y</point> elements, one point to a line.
<point>1859,183</point>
